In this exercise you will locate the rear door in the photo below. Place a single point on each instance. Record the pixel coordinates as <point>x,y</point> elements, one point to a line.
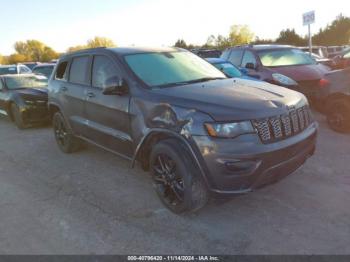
<point>73,89</point>
<point>107,115</point>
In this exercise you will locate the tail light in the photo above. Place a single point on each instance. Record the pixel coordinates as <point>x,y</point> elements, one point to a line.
<point>323,83</point>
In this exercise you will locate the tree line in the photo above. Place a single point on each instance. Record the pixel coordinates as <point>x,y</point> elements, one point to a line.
<point>336,33</point>
<point>36,51</point>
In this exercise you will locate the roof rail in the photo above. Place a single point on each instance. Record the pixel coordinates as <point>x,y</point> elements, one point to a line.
<point>87,49</point>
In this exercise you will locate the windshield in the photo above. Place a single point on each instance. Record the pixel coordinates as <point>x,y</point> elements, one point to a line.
<point>171,68</point>
<point>44,70</point>
<point>285,57</point>
<point>25,82</point>
<point>8,70</point>
<point>229,69</point>
<point>347,53</point>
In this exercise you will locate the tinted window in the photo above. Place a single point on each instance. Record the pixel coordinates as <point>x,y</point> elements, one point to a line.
<point>248,58</point>
<point>1,85</point>
<point>61,72</point>
<point>103,69</point>
<point>236,57</point>
<point>78,70</point>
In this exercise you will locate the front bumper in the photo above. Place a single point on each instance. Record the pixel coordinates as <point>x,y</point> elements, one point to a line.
<point>35,114</point>
<point>244,164</point>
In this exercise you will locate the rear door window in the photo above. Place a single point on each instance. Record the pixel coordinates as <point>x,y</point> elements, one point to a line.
<point>79,70</point>
<point>236,56</point>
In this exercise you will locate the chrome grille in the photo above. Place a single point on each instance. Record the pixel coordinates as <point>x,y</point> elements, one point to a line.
<point>282,127</point>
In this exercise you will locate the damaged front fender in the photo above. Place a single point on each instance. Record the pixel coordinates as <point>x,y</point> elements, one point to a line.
<point>153,121</point>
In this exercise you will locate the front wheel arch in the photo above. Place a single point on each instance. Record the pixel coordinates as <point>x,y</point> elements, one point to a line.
<point>154,136</point>
<point>333,97</point>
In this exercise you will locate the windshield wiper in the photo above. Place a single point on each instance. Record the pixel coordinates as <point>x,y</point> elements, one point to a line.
<point>203,79</point>
<point>200,80</point>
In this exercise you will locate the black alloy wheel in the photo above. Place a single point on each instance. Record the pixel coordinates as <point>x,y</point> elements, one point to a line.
<point>176,179</point>
<point>66,141</point>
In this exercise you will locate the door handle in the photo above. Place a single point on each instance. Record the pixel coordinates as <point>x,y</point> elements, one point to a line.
<point>64,89</point>
<point>90,95</point>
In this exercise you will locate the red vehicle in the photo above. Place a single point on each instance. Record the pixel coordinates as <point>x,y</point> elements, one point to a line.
<point>343,60</point>
<point>282,65</point>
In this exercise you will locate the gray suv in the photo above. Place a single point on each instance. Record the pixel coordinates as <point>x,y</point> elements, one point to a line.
<point>199,133</point>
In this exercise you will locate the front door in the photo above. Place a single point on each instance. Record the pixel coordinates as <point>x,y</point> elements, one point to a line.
<point>107,115</point>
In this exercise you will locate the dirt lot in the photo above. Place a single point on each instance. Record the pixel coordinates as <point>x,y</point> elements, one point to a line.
<point>93,203</point>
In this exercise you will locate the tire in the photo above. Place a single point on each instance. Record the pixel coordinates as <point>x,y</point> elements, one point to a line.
<point>65,139</point>
<point>17,117</point>
<point>338,115</point>
<point>176,179</point>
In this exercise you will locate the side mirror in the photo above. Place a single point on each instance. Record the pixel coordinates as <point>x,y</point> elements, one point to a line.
<point>250,66</point>
<point>244,71</point>
<point>115,86</point>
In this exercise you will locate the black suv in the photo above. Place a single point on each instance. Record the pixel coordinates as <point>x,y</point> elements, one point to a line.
<point>196,131</point>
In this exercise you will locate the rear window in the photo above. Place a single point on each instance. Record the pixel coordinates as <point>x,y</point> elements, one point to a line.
<point>61,72</point>
<point>78,70</point>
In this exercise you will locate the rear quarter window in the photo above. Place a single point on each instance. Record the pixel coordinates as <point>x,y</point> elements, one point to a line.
<point>61,72</point>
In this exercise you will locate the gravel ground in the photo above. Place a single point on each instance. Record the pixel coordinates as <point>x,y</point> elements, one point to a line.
<point>91,202</point>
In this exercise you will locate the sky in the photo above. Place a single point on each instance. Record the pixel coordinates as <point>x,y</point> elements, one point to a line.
<point>64,23</point>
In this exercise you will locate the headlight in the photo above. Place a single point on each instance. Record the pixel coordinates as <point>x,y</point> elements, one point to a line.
<point>229,130</point>
<point>284,80</point>
<point>29,102</point>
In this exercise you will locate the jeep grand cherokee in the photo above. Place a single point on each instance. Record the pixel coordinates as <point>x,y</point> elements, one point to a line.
<point>196,131</point>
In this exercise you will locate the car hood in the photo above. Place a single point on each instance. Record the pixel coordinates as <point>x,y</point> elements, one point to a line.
<point>33,93</point>
<point>303,72</point>
<point>234,99</point>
